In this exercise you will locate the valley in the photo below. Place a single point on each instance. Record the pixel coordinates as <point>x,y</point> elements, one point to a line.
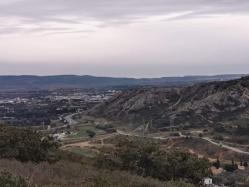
<point>208,121</point>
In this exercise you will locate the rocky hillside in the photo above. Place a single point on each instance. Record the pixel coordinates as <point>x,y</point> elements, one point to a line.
<point>201,104</point>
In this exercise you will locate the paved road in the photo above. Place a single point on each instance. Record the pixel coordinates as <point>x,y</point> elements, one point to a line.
<point>70,120</point>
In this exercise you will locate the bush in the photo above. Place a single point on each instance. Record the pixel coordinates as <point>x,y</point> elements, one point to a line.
<point>219,138</point>
<point>90,133</point>
<point>7,180</point>
<point>245,164</point>
<point>74,174</point>
<point>146,159</point>
<point>217,164</point>
<point>25,145</point>
<point>230,167</point>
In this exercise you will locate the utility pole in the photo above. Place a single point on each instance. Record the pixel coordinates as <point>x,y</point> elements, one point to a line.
<point>143,127</point>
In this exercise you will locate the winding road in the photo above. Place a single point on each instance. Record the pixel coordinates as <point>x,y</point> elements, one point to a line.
<point>70,120</point>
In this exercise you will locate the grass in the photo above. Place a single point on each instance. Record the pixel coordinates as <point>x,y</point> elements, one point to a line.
<point>81,131</point>
<point>82,152</point>
<point>71,174</point>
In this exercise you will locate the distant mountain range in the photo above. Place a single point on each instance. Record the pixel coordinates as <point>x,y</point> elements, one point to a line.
<point>199,105</point>
<point>28,82</point>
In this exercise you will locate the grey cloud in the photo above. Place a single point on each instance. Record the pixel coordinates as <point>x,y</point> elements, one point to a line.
<point>110,12</point>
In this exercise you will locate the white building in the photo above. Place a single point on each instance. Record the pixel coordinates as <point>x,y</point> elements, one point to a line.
<point>207,181</point>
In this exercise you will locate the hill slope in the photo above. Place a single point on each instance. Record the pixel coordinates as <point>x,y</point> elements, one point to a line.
<point>201,104</point>
<point>73,81</point>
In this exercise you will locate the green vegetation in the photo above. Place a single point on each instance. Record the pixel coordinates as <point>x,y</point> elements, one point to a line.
<point>90,133</point>
<point>71,169</point>
<point>230,167</point>
<point>83,152</point>
<point>26,145</point>
<point>83,131</point>
<point>144,158</point>
<point>74,174</point>
<point>8,180</point>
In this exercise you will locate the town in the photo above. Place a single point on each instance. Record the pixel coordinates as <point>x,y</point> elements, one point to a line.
<point>46,109</point>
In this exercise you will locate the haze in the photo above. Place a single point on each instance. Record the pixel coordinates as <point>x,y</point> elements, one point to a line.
<point>131,38</point>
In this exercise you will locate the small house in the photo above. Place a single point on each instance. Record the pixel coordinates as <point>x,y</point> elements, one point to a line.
<point>207,181</point>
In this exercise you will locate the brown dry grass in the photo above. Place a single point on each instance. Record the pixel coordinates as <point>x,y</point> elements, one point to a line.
<point>70,174</point>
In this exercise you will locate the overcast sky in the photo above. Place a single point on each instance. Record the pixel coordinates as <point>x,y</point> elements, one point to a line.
<point>124,38</point>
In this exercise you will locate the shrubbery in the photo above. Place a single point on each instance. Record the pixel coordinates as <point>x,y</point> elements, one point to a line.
<point>25,145</point>
<point>8,180</point>
<point>230,167</point>
<point>146,159</point>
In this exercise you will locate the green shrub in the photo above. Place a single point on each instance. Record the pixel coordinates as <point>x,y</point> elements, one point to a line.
<point>26,145</point>
<point>144,158</point>
<point>91,133</point>
<point>7,180</point>
<point>230,167</point>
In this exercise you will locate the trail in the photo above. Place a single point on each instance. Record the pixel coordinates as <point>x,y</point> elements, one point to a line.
<point>234,149</point>
<point>226,146</point>
<point>89,143</point>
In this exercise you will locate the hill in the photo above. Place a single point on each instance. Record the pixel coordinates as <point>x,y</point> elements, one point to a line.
<point>28,82</point>
<point>199,105</point>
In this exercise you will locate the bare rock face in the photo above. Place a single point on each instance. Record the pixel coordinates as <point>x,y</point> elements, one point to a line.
<point>201,104</point>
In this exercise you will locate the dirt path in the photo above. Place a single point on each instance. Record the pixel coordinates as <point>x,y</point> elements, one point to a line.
<point>226,146</point>
<point>234,149</point>
<point>90,143</point>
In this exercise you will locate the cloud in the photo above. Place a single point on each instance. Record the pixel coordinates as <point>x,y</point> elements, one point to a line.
<point>45,16</point>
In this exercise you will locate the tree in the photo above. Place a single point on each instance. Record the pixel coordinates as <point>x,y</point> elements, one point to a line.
<point>217,164</point>
<point>231,167</point>
<point>245,164</point>
<point>91,133</point>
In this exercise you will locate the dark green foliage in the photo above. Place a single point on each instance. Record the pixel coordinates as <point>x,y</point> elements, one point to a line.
<point>242,130</point>
<point>231,167</point>
<point>217,164</point>
<point>25,145</point>
<point>180,165</point>
<point>90,133</point>
<point>7,180</point>
<point>146,159</point>
<point>219,138</point>
<point>245,164</point>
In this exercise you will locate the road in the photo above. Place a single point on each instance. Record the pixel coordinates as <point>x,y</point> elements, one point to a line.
<point>70,120</point>
<point>182,136</point>
<point>140,136</point>
<point>226,146</point>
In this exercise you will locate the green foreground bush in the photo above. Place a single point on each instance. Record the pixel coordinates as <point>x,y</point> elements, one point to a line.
<point>144,158</point>
<point>8,180</point>
<point>25,145</point>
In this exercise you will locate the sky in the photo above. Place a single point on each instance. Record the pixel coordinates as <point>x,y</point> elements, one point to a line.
<point>124,38</point>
